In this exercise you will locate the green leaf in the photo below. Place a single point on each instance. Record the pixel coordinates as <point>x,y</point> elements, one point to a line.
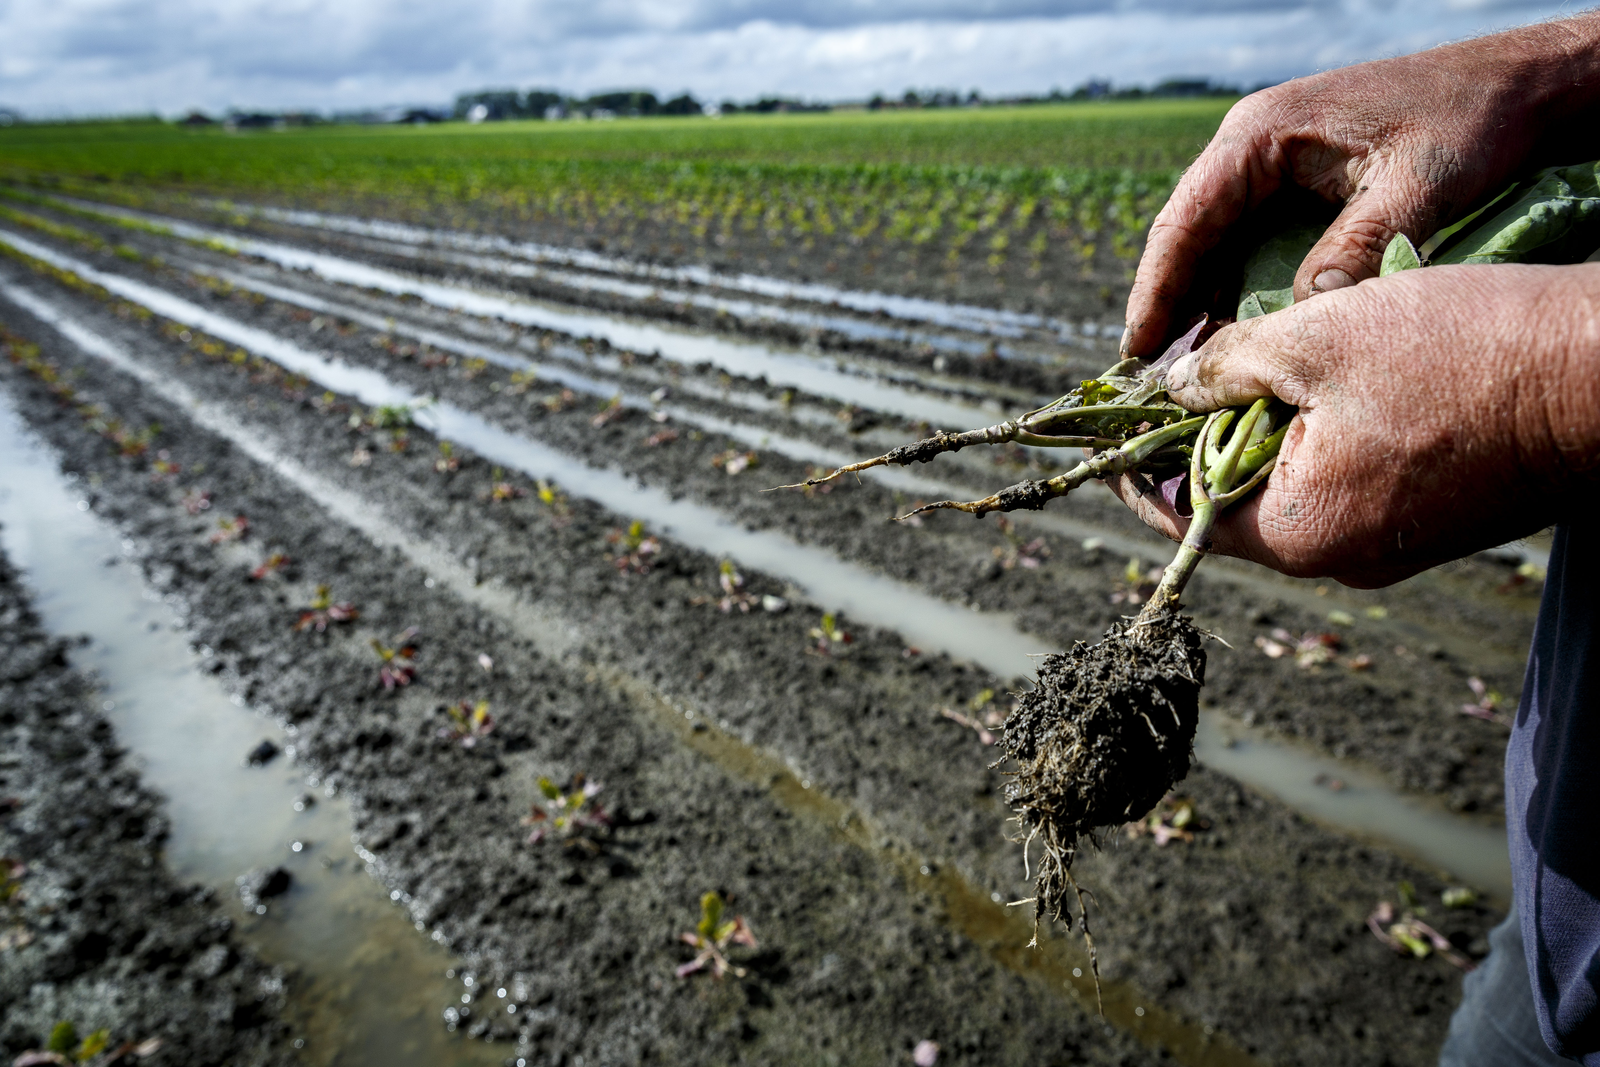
<point>1400,255</point>
<point>710,916</point>
<point>92,1045</point>
<point>1555,219</point>
<point>1270,270</point>
<point>63,1038</point>
<point>548,788</point>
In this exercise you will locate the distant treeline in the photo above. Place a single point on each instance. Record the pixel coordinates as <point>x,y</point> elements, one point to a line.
<point>495,105</point>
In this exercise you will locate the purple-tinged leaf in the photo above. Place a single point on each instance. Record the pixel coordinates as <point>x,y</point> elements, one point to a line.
<point>1181,347</point>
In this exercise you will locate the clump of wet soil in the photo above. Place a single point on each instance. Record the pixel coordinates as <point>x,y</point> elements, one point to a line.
<point>1105,734</point>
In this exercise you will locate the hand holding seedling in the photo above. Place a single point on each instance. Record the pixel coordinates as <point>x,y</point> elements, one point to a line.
<point>1441,411</point>
<point>1404,146</point>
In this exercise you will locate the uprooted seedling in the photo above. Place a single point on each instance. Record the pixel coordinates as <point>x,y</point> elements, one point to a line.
<point>324,611</point>
<point>570,816</point>
<point>713,936</point>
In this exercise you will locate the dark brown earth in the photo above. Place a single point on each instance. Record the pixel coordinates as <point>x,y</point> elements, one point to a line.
<point>857,828</point>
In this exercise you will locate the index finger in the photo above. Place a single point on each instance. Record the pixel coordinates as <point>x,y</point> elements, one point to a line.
<point>1242,166</point>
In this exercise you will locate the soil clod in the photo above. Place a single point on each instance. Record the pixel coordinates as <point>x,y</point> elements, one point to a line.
<point>1102,738</point>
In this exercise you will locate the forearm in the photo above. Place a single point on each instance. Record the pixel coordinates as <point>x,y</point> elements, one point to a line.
<point>1561,418</point>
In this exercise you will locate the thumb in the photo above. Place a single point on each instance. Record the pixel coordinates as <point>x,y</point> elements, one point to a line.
<point>1241,363</point>
<point>1352,249</point>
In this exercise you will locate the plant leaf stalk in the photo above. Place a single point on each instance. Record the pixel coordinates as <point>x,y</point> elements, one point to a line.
<point>1224,468</point>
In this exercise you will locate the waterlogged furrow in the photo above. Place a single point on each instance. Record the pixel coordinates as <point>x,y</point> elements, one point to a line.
<point>992,641</point>
<point>993,321</point>
<point>355,959</point>
<point>744,358</point>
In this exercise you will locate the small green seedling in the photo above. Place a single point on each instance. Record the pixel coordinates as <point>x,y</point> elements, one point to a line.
<point>271,565</point>
<point>1403,931</point>
<point>734,461</point>
<point>229,530</point>
<point>568,815</point>
<point>635,551</point>
<point>830,639</point>
<point>395,669</point>
<point>712,937</point>
<point>391,417</point>
<point>469,723</point>
<point>1174,819</point>
<point>501,490</point>
<point>448,462</point>
<point>734,594</point>
<point>1488,703</point>
<point>1029,555</point>
<point>611,412</point>
<point>11,872</point>
<point>324,611</point>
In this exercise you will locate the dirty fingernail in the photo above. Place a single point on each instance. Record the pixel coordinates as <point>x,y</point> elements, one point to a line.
<point>1333,278</point>
<point>1122,346</point>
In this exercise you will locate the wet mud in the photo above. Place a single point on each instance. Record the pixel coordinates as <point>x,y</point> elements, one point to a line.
<point>710,720</point>
<point>94,930</point>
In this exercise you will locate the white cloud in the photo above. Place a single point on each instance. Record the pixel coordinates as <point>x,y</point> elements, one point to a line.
<point>101,56</point>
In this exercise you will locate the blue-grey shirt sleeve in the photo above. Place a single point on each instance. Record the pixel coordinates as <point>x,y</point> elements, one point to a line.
<point>1553,801</point>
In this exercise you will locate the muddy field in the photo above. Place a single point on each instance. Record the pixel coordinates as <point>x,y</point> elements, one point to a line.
<point>743,746</point>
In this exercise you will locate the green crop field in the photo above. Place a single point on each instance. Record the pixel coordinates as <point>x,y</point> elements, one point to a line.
<point>948,192</point>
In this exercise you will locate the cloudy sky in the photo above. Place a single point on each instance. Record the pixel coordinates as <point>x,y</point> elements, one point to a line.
<point>115,56</point>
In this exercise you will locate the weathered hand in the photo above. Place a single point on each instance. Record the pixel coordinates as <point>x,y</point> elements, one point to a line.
<point>1442,411</point>
<point>1404,144</point>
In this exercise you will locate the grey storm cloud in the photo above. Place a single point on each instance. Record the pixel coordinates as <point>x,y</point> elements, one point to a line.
<point>76,56</point>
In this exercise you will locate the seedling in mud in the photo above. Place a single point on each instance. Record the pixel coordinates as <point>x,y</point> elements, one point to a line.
<point>983,716</point>
<point>611,412</point>
<point>196,500</point>
<point>448,462</point>
<point>271,565</point>
<point>391,417</point>
<point>556,403</point>
<point>734,461</point>
<point>569,816</point>
<point>323,611</point>
<point>164,467</point>
<point>65,1048</point>
<point>11,872</point>
<point>713,936</point>
<point>1402,929</point>
<point>229,530</point>
<point>1487,706</point>
<point>634,550</point>
<point>734,594</point>
<point>661,437</point>
<point>501,490</point>
<point>830,639</point>
<point>469,723</point>
<point>1174,819</point>
<point>1029,555</point>
<point>395,668</point>
<point>1310,650</point>
<point>1136,583</point>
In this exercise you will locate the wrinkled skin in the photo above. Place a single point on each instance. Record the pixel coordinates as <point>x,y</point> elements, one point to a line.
<point>1443,410</point>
